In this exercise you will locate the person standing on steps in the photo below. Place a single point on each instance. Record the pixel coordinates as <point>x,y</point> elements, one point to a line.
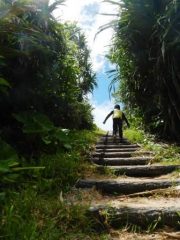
<point>118,118</point>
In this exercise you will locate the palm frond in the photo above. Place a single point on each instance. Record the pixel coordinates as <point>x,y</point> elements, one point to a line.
<point>55,5</point>
<point>111,24</point>
<point>109,14</point>
<point>113,2</point>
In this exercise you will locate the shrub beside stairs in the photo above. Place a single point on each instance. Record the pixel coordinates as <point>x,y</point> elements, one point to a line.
<point>137,196</point>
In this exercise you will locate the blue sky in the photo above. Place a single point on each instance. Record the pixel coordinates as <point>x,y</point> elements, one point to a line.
<point>101,93</point>
<point>87,14</point>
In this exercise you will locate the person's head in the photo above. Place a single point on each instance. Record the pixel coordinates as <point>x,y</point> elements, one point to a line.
<point>117,106</point>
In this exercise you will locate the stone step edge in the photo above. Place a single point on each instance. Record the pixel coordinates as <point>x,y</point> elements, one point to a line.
<point>139,170</point>
<point>133,150</point>
<point>109,146</point>
<point>145,217</point>
<point>125,187</point>
<point>128,154</point>
<point>121,161</point>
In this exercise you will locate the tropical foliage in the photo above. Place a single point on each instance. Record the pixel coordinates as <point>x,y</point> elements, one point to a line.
<point>45,74</point>
<point>146,49</point>
<point>34,205</point>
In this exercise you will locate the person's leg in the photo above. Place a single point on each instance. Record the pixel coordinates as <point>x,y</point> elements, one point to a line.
<point>115,127</point>
<point>120,130</point>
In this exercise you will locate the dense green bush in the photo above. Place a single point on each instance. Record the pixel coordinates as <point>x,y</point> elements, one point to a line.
<point>45,70</point>
<point>146,48</point>
<point>35,207</point>
<point>45,75</point>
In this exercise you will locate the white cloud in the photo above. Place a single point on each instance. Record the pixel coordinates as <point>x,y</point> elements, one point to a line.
<point>98,62</point>
<point>88,15</point>
<point>100,112</point>
<point>81,11</point>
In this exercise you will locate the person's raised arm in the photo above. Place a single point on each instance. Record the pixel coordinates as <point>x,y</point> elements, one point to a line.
<point>125,119</point>
<point>107,117</point>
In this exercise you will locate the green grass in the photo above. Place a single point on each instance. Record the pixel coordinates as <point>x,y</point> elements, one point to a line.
<point>164,153</point>
<point>34,209</point>
<point>134,136</point>
<point>31,216</point>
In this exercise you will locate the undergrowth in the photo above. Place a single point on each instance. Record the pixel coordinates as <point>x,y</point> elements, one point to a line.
<point>164,153</point>
<point>34,208</point>
<point>29,215</point>
<point>32,199</point>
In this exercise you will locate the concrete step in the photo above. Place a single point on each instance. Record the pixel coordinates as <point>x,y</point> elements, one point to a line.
<point>122,161</point>
<point>146,217</point>
<point>112,146</point>
<point>116,154</point>
<point>118,158</point>
<point>117,150</point>
<point>119,187</point>
<point>110,137</point>
<point>113,142</point>
<point>110,154</point>
<point>143,171</point>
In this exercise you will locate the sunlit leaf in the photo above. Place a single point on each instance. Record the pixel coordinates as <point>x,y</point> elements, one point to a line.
<point>4,82</point>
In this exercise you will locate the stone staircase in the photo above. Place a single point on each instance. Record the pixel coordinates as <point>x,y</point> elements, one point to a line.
<point>134,191</point>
